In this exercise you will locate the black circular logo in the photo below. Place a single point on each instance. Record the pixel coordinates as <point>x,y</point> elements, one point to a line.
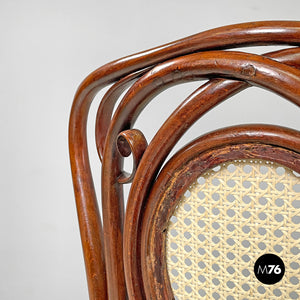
<point>269,268</point>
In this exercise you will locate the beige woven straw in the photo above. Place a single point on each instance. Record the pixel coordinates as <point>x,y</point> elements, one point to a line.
<point>226,220</point>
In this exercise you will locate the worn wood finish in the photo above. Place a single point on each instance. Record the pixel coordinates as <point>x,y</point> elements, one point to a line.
<point>207,97</point>
<point>197,157</point>
<point>251,69</point>
<point>191,67</point>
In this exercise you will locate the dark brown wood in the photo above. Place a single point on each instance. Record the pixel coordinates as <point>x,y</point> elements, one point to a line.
<point>251,69</point>
<point>214,149</point>
<point>207,97</point>
<point>131,142</point>
<point>106,107</point>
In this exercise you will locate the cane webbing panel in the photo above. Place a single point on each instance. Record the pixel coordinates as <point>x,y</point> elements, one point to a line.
<point>226,220</point>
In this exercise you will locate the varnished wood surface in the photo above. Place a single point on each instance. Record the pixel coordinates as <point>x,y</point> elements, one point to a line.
<point>183,169</point>
<point>281,76</point>
<point>208,95</point>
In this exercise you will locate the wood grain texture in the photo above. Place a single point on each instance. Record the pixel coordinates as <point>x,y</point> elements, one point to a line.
<point>205,98</point>
<point>149,73</point>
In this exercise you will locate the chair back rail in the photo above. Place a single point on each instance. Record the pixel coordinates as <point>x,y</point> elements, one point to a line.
<point>149,73</point>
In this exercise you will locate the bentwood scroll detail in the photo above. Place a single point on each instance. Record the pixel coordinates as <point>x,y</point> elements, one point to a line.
<point>131,142</point>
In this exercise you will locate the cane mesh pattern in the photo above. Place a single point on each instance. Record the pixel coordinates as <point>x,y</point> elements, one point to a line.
<point>226,220</point>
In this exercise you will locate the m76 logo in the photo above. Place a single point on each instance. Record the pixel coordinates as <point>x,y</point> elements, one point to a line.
<point>269,268</point>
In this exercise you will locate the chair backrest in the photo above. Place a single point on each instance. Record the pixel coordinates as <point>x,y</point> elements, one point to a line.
<point>199,226</point>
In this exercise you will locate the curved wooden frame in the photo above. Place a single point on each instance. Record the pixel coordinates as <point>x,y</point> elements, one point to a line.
<point>160,146</point>
<point>279,73</point>
<point>270,143</point>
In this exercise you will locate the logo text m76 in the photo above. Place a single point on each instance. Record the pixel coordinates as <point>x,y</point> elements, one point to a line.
<point>269,269</point>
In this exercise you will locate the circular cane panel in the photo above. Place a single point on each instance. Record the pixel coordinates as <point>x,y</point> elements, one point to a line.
<point>226,220</point>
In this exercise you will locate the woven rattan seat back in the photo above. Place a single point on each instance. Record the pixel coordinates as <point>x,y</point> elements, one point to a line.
<point>229,217</point>
<point>217,213</point>
<point>197,226</point>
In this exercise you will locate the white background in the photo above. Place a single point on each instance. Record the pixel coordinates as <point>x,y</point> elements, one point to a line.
<point>47,48</point>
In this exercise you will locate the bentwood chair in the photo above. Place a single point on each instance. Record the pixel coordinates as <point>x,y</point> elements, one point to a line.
<point>198,228</point>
